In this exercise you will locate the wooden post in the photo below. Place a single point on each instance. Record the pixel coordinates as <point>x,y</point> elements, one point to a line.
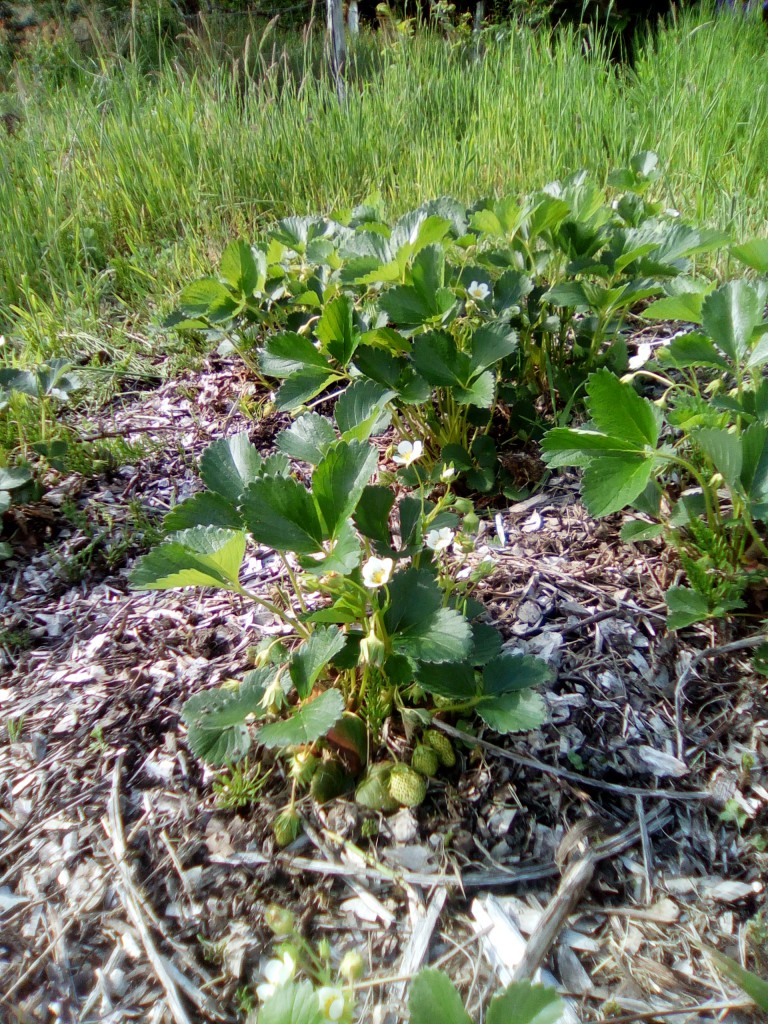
<point>353,18</point>
<point>477,25</point>
<point>338,44</point>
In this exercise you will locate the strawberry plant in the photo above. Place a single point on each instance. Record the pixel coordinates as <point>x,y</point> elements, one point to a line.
<point>696,462</point>
<point>374,621</point>
<point>454,313</point>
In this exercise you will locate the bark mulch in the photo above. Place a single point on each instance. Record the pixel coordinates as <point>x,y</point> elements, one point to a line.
<point>636,816</point>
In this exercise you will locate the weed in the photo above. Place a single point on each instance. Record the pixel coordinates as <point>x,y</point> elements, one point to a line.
<point>14,728</point>
<point>240,785</point>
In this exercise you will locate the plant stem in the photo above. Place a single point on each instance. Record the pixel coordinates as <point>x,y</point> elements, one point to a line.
<point>275,610</point>
<point>294,582</point>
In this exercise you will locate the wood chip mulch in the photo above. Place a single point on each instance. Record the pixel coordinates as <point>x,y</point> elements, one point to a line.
<point>637,815</point>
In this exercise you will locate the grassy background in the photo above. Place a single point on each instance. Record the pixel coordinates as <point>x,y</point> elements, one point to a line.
<point>121,183</point>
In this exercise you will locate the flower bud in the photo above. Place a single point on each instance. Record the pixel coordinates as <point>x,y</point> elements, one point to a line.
<point>470,523</point>
<point>373,651</point>
<point>280,920</point>
<point>286,827</point>
<point>352,966</point>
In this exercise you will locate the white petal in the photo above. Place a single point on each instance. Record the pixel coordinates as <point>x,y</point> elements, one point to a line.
<point>265,992</point>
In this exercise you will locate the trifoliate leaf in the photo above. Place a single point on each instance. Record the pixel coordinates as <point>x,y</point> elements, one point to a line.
<point>313,720</point>
<point>310,659</point>
<point>204,556</point>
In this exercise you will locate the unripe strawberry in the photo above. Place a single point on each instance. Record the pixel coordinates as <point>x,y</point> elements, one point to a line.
<point>280,920</point>
<point>286,827</point>
<point>407,786</point>
<point>442,747</point>
<point>303,766</point>
<point>373,791</point>
<point>425,760</point>
<point>470,522</point>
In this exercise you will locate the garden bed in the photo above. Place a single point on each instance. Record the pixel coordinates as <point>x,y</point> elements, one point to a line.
<point>127,891</point>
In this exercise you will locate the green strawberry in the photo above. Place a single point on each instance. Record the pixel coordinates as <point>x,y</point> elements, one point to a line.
<point>425,760</point>
<point>407,786</point>
<point>373,790</point>
<point>286,827</point>
<point>442,747</point>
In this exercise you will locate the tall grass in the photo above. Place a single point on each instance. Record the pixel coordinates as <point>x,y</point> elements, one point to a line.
<point>121,185</point>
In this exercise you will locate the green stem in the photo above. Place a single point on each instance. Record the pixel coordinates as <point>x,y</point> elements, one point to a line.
<point>754,534</point>
<point>465,705</point>
<point>278,612</point>
<point>712,517</point>
<point>294,582</point>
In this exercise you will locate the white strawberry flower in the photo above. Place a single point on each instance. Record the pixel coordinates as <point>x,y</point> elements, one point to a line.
<point>408,452</point>
<point>643,355</point>
<point>440,540</point>
<point>277,973</point>
<point>479,291</point>
<point>447,474</point>
<point>331,1003</point>
<point>377,572</point>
